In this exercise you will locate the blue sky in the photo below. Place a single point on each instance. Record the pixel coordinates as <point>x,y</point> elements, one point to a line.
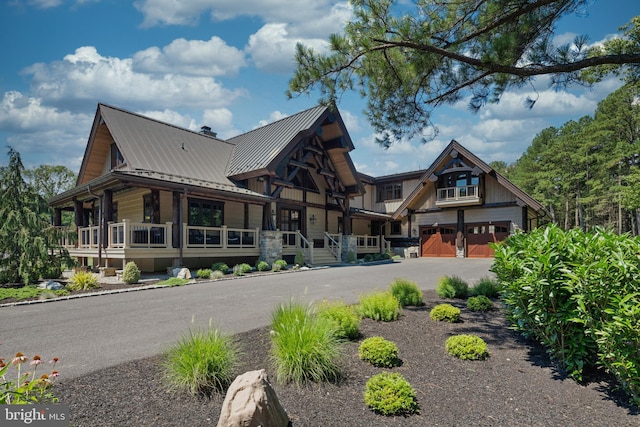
<point>226,64</point>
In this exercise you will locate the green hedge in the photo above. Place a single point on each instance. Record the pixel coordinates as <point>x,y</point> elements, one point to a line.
<point>577,293</point>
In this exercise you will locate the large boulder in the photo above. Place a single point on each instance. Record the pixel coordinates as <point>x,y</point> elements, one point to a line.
<point>252,402</point>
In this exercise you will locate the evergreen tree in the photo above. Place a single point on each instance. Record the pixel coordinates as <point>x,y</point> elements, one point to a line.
<point>28,244</point>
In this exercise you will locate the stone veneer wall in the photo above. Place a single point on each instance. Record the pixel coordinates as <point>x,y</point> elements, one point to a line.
<point>270,245</point>
<point>349,243</point>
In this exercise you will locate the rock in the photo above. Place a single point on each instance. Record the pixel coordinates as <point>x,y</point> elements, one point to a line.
<point>182,273</point>
<point>51,285</point>
<point>252,402</point>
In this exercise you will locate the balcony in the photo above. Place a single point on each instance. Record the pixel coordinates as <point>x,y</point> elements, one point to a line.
<point>458,196</point>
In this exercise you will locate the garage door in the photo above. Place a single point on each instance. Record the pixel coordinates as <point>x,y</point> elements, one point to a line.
<point>480,235</point>
<point>439,241</point>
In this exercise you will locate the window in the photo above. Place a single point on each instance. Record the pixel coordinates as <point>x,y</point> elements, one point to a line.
<point>116,156</point>
<point>290,219</point>
<point>459,179</point>
<point>147,209</point>
<point>205,213</point>
<point>391,191</point>
<point>396,227</point>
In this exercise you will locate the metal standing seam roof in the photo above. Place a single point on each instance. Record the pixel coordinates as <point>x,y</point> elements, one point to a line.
<point>256,149</point>
<point>151,145</point>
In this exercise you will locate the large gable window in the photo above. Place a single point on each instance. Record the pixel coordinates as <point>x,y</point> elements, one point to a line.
<point>116,157</point>
<point>390,191</point>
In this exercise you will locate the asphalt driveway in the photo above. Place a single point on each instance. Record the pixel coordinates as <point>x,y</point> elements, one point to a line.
<point>88,334</point>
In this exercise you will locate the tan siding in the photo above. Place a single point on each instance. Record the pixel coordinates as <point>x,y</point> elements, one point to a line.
<point>496,193</point>
<point>443,217</point>
<point>99,160</point>
<point>234,214</point>
<point>255,216</point>
<point>130,204</point>
<point>361,226</point>
<point>511,213</point>
<point>255,185</point>
<point>291,194</point>
<point>357,202</point>
<point>427,200</point>
<point>315,231</point>
<point>332,221</point>
<point>315,198</point>
<point>166,206</point>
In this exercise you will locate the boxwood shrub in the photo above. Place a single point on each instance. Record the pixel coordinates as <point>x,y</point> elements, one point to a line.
<point>445,312</point>
<point>390,394</point>
<point>467,347</point>
<point>379,352</point>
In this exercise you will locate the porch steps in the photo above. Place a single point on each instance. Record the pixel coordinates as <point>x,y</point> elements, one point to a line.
<point>322,256</point>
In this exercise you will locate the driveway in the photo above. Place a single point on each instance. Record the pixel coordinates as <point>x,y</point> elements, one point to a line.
<point>92,333</point>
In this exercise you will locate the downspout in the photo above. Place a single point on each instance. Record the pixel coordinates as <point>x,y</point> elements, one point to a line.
<point>95,196</point>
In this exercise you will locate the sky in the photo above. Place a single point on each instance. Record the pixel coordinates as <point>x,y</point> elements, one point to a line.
<point>226,64</point>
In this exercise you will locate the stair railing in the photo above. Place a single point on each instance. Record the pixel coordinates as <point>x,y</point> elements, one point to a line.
<point>334,246</point>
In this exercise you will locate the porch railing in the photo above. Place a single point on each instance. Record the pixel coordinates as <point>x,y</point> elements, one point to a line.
<point>333,242</point>
<point>220,237</point>
<point>128,234</point>
<point>306,247</point>
<point>451,194</point>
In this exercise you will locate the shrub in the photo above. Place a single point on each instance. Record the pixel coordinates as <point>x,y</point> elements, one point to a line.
<point>379,352</point>
<point>304,347</point>
<point>390,394</point>
<point>445,312</point>
<point>204,273</point>
<point>83,280</point>
<point>486,286</point>
<point>131,273</point>
<point>452,287</point>
<point>479,303</point>
<point>406,292</point>
<point>279,264</point>
<point>467,347</point>
<point>263,266</point>
<point>344,317</point>
<point>201,362</point>
<point>351,257</point>
<point>174,281</point>
<point>368,258</point>
<point>379,306</point>
<point>299,258</point>
<point>220,266</point>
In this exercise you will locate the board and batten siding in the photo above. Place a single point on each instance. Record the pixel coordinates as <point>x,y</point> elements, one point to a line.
<point>510,213</point>
<point>442,217</point>
<point>496,193</point>
<point>130,204</point>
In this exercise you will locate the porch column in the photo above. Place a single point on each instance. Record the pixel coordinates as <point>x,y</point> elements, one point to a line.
<point>347,218</point>
<point>78,214</point>
<point>176,220</point>
<point>57,217</point>
<point>107,216</point>
<point>460,234</point>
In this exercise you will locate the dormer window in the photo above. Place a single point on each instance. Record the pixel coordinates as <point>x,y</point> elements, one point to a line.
<point>117,159</point>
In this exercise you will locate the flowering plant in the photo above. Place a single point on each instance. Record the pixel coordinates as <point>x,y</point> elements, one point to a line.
<point>27,386</point>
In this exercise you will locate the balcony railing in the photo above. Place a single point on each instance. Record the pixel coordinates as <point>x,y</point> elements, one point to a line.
<point>455,195</point>
<point>220,237</point>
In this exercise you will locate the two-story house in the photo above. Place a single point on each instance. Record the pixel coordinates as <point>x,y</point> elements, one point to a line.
<point>164,196</point>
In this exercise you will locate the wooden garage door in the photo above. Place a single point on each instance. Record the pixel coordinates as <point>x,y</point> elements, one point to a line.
<point>439,241</point>
<point>480,235</point>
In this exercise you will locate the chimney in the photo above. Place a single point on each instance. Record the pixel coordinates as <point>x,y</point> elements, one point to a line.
<point>207,131</point>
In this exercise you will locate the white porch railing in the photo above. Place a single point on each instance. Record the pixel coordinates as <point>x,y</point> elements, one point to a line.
<point>368,243</point>
<point>451,194</point>
<point>128,234</point>
<point>220,237</point>
<point>333,242</point>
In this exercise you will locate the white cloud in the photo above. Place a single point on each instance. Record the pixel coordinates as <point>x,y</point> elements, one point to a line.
<point>310,16</point>
<point>190,57</point>
<point>272,48</point>
<point>88,76</point>
<point>273,117</point>
<point>22,114</point>
<point>351,121</point>
<point>173,117</point>
<point>220,120</point>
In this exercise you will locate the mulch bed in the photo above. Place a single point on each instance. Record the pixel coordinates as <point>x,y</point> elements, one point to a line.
<point>516,386</point>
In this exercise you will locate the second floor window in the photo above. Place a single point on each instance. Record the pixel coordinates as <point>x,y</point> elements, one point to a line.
<point>392,191</point>
<point>116,157</point>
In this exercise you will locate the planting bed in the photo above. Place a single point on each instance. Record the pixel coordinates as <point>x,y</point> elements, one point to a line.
<point>516,386</point>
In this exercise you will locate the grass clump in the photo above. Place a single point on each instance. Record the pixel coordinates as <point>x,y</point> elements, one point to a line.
<point>220,266</point>
<point>379,306</point>
<point>379,352</point>
<point>452,287</point>
<point>304,347</point>
<point>406,292</point>
<point>390,394</point>
<point>485,286</point>
<point>344,317</point>
<point>202,362</point>
<point>130,273</point>
<point>216,274</point>
<point>479,303</point>
<point>204,273</point>
<point>467,347</point>
<point>445,312</point>
<point>174,281</point>
<point>241,269</point>
<point>82,281</point>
